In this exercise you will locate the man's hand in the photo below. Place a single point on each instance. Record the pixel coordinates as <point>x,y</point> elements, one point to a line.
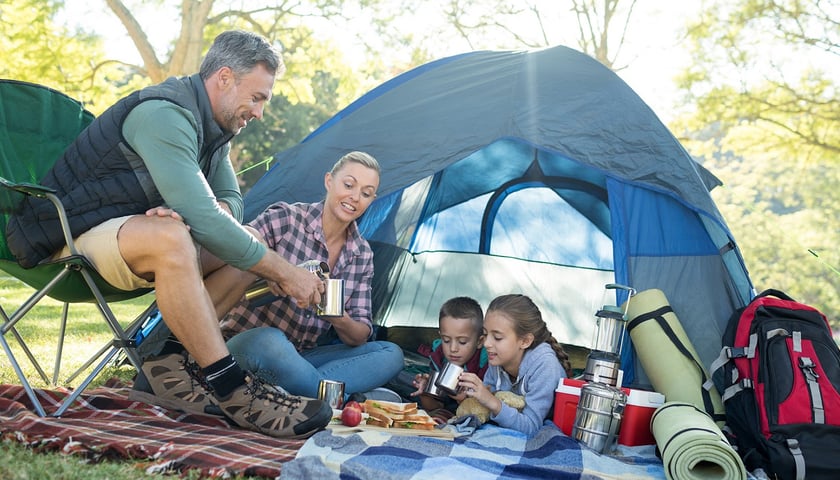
<point>164,212</point>
<point>304,286</point>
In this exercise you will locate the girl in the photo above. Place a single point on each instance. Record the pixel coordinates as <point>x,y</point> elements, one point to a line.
<point>524,359</point>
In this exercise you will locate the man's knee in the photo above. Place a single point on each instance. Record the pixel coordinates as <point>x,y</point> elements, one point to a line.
<point>158,240</point>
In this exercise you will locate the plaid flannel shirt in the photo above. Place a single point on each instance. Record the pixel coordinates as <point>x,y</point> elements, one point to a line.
<point>295,231</point>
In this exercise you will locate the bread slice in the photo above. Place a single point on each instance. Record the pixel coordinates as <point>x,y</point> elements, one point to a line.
<point>392,415</point>
<point>415,425</point>
<point>393,407</point>
<point>379,420</point>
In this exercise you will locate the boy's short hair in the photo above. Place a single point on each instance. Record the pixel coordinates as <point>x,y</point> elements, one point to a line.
<point>463,307</point>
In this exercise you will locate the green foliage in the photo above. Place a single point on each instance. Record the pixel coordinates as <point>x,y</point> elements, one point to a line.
<point>767,123</point>
<point>34,48</point>
<point>316,85</point>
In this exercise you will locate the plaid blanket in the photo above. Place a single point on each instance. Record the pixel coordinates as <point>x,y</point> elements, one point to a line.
<point>105,425</point>
<point>490,452</point>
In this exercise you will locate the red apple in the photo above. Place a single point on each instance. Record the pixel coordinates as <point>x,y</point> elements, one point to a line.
<point>354,404</point>
<point>351,416</point>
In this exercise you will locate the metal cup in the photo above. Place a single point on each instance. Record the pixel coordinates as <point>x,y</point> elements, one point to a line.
<point>332,301</point>
<point>331,392</point>
<point>431,388</point>
<point>448,378</point>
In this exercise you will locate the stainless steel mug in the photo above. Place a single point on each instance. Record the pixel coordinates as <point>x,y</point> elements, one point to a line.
<point>447,380</point>
<point>431,388</point>
<point>331,392</point>
<point>332,301</point>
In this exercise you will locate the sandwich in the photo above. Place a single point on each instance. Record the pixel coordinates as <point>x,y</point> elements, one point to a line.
<point>379,419</point>
<point>397,415</point>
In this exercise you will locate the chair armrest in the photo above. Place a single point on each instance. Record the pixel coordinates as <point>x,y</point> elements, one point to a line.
<point>25,188</point>
<point>40,191</point>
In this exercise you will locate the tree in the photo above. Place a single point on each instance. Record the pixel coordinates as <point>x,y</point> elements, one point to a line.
<point>766,120</point>
<point>34,48</point>
<point>599,26</point>
<point>315,84</point>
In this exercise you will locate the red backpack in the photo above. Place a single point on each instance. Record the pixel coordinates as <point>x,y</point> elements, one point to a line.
<point>779,377</point>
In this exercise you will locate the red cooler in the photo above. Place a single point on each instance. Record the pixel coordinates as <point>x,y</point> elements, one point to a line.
<point>635,423</point>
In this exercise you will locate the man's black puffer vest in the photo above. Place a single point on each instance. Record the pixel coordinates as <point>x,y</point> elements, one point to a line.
<point>100,177</point>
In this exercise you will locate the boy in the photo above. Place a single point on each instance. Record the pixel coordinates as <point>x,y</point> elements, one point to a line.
<point>461,327</point>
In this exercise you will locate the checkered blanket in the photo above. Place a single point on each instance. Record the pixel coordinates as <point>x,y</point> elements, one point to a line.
<point>105,425</point>
<point>490,452</point>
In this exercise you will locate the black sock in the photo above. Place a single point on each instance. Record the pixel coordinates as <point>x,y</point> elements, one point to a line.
<point>224,376</point>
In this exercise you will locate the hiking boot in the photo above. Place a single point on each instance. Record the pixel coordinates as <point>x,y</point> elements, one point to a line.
<point>266,409</point>
<point>173,381</point>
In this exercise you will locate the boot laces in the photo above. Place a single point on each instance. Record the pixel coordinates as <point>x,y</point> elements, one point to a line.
<point>260,390</point>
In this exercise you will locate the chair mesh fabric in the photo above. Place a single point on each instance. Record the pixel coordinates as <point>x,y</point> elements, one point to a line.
<point>36,125</point>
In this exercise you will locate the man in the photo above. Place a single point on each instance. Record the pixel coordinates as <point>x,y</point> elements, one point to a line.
<point>152,200</point>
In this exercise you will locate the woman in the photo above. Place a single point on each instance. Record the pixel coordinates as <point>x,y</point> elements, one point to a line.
<point>294,347</point>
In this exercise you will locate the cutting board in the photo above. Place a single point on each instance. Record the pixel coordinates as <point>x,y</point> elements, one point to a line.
<point>340,429</point>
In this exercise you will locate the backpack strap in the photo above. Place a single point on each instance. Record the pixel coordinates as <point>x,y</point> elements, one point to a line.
<point>659,316</point>
<point>798,459</point>
<point>811,378</point>
<point>808,368</point>
<point>726,354</point>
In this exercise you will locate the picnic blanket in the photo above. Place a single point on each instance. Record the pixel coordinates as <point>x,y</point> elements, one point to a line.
<point>105,425</point>
<point>491,452</point>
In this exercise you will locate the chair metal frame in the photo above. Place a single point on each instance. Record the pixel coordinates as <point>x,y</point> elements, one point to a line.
<point>70,272</point>
<point>124,338</point>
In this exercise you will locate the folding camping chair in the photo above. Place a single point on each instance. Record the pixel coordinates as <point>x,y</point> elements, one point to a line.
<point>36,125</point>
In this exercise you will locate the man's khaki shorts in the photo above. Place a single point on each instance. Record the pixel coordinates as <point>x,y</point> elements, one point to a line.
<point>99,245</point>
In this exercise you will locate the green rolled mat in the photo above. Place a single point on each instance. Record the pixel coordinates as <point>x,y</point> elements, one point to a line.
<point>668,356</point>
<point>692,445</point>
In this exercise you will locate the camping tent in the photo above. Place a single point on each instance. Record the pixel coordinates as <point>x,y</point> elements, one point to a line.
<point>538,172</point>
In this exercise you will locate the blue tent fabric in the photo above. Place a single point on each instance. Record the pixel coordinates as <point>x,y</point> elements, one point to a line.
<point>537,171</point>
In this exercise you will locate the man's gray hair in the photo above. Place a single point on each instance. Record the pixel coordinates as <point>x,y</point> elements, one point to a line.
<point>241,51</point>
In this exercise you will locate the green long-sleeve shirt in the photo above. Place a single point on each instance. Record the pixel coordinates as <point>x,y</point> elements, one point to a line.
<point>164,135</point>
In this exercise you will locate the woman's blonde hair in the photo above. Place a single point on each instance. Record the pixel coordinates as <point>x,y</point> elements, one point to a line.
<point>361,158</point>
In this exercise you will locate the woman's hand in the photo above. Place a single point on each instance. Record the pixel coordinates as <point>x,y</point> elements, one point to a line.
<point>472,386</point>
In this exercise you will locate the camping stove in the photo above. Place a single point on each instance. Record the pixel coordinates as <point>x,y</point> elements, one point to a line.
<point>603,365</point>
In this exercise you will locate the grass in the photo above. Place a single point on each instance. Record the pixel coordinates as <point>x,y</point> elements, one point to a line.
<point>22,463</point>
<point>86,333</point>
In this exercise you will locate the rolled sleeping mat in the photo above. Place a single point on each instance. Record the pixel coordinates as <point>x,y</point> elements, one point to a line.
<point>692,446</point>
<point>667,355</point>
